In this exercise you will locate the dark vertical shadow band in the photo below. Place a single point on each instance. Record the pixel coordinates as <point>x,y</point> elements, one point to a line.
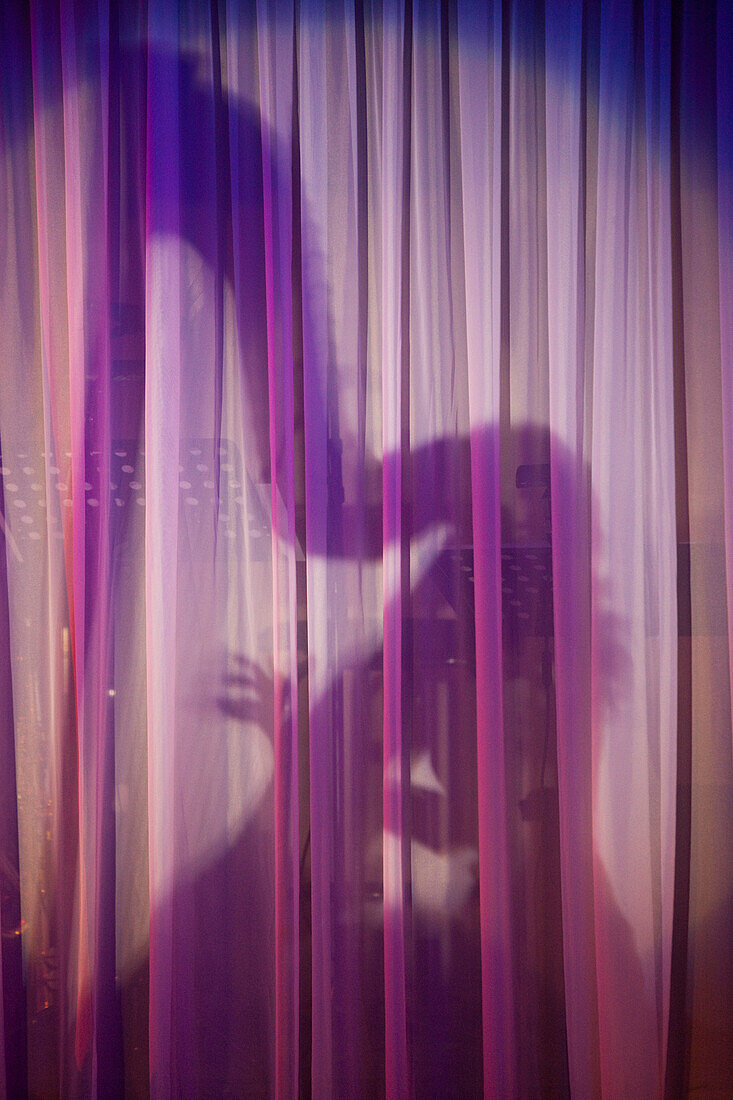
<point>677,1067</point>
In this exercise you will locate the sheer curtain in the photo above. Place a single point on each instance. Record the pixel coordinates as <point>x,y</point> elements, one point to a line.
<point>366,548</point>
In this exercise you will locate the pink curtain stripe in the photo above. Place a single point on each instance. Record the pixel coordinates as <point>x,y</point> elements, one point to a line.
<point>275,37</point>
<point>88,325</point>
<point>312,70</point>
<point>396,841</point>
<point>634,575</point>
<point>570,371</point>
<point>46,67</point>
<point>481,148</point>
<point>662,691</point>
<point>162,433</point>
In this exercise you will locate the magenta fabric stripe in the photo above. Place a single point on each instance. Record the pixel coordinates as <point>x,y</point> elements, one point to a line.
<point>481,113</point>
<point>663,692</point>
<point>396,842</point>
<point>162,432</point>
<point>312,70</point>
<point>89,355</point>
<point>571,536</point>
<point>275,35</point>
<point>50,197</point>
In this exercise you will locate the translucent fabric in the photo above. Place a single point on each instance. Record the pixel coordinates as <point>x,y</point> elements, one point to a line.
<point>366,548</point>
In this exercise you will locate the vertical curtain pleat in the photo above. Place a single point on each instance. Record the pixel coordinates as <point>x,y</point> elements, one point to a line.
<point>27,794</point>
<point>568,380</point>
<point>444,977</point>
<point>254,858</point>
<point>395,352</point>
<point>705,762</point>
<point>317,359</point>
<point>662,686</point>
<point>343,541</point>
<point>85,78</point>
<point>355,361</point>
<point>633,560</point>
<point>162,428</point>
<point>57,681</point>
<point>276,72</point>
<point>480,75</point>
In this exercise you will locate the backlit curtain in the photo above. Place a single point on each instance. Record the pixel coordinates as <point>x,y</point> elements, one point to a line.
<point>366,548</point>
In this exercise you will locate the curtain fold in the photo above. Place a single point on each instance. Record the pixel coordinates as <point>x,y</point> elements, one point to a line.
<point>365,564</point>
<point>570,372</point>
<point>633,563</point>
<point>480,85</point>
